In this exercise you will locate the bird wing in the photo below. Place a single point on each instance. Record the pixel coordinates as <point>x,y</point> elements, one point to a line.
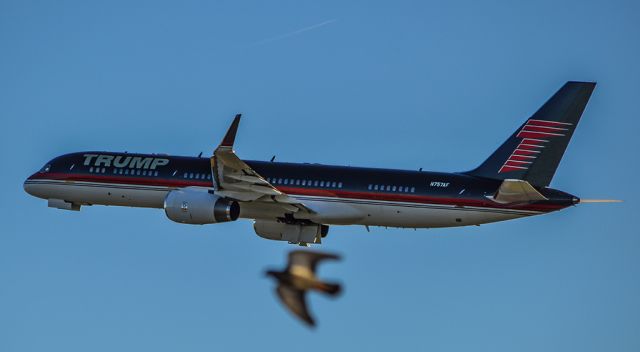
<point>304,262</point>
<point>295,302</point>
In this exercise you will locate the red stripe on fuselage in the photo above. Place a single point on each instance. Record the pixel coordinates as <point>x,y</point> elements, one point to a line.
<point>130,180</point>
<point>320,192</point>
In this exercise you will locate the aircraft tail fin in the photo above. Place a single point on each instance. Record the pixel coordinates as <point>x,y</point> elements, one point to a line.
<point>534,150</point>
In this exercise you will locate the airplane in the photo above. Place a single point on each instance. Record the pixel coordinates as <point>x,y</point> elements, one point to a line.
<point>297,203</point>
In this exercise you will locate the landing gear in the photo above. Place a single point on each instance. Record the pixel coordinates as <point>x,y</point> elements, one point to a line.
<point>324,230</point>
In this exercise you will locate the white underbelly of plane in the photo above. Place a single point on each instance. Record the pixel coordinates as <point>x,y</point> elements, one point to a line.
<point>90,193</point>
<point>329,211</point>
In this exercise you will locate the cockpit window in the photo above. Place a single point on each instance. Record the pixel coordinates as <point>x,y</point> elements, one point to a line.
<point>46,168</point>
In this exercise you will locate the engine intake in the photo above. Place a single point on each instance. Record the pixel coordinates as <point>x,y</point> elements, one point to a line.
<point>192,206</point>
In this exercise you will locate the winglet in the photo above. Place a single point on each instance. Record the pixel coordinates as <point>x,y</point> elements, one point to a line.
<point>230,137</point>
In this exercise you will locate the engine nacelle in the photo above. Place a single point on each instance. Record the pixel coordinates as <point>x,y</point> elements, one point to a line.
<point>294,233</point>
<point>193,206</point>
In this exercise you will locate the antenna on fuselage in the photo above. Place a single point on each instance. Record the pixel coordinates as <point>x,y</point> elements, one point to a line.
<point>273,158</point>
<point>420,169</point>
<point>200,155</point>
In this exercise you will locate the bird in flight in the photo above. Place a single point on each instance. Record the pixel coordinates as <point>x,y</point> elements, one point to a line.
<point>299,277</point>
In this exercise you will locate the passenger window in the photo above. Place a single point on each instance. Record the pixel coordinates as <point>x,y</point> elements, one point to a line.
<point>208,176</point>
<point>279,181</point>
<point>413,189</point>
<point>321,183</point>
<point>394,188</point>
<point>339,184</point>
<point>304,182</point>
<point>286,181</point>
<point>297,182</point>
<point>375,187</point>
<point>315,183</point>
<point>91,169</point>
<point>126,171</point>
<point>144,173</point>
<point>190,175</point>
<point>155,173</point>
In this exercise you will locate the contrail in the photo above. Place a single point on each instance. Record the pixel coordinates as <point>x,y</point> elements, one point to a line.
<point>296,32</point>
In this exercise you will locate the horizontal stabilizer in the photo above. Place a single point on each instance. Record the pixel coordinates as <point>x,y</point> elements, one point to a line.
<point>516,191</point>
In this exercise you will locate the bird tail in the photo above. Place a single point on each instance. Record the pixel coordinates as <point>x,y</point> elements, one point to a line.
<point>328,288</point>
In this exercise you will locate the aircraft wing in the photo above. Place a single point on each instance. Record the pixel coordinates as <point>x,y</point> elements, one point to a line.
<point>235,179</point>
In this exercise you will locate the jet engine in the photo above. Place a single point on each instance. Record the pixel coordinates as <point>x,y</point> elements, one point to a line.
<point>293,233</point>
<point>193,206</point>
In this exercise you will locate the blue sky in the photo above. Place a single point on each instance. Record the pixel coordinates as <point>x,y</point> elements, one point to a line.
<point>396,84</point>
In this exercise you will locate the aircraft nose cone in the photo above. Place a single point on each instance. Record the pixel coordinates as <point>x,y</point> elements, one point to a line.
<point>28,187</point>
